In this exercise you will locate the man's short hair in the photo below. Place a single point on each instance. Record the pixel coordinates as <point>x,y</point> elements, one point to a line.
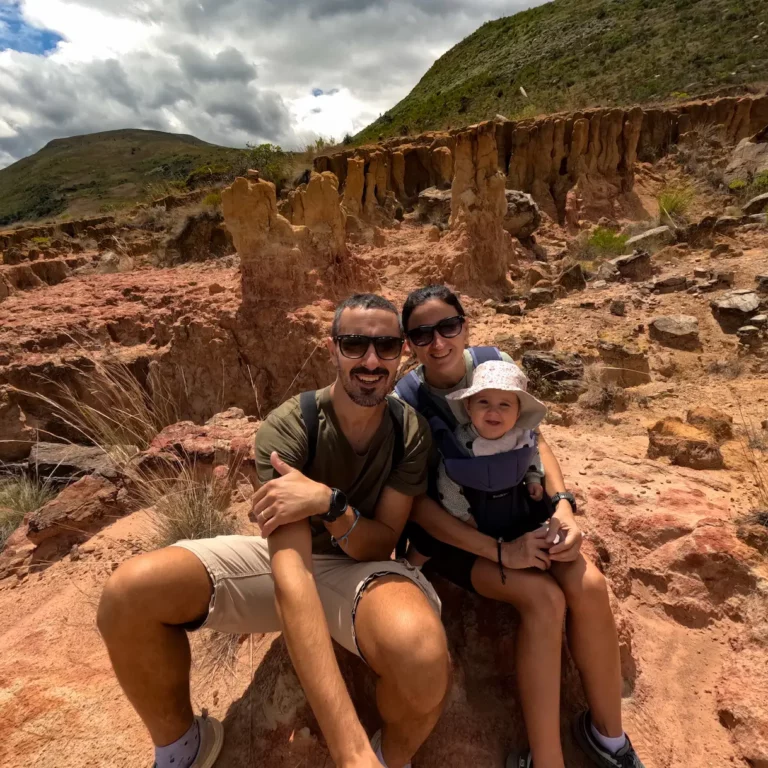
<point>364,301</point>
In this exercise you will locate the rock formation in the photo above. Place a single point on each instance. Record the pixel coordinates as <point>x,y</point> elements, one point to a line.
<point>478,208</point>
<point>576,166</point>
<point>280,261</point>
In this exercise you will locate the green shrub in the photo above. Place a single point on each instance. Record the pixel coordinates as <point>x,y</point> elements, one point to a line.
<point>41,240</point>
<point>212,200</point>
<point>347,139</point>
<point>271,161</point>
<point>759,184</point>
<point>675,203</point>
<point>737,184</point>
<point>606,242</point>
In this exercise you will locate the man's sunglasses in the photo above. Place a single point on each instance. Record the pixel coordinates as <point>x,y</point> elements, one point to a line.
<point>354,346</point>
<point>449,328</point>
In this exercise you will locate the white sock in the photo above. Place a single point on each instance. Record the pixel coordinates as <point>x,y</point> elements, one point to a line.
<point>183,751</point>
<point>612,743</point>
<point>381,758</point>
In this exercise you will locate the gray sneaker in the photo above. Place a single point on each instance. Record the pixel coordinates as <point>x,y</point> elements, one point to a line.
<point>626,757</point>
<point>520,759</point>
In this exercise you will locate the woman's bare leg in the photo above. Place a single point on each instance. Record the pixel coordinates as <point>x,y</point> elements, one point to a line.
<point>541,605</point>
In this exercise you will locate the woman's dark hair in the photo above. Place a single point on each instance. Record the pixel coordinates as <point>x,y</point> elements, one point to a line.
<point>417,298</point>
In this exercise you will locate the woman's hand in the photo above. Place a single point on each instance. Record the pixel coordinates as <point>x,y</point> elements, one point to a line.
<point>564,523</point>
<point>527,551</point>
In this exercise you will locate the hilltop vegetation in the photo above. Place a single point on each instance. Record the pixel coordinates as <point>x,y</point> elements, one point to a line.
<point>102,172</point>
<point>570,54</point>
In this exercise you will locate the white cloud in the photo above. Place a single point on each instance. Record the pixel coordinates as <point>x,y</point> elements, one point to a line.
<point>228,71</point>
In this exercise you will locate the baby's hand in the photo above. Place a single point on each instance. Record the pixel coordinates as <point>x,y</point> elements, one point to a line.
<point>536,491</point>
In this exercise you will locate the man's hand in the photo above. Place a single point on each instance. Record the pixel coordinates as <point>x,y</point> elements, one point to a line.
<point>287,499</point>
<point>564,523</point>
<point>536,491</point>
<point>527,551</point>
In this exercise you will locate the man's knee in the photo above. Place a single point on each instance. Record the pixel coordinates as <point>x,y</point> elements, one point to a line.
<point>169,586</point>
<point>406,644</point>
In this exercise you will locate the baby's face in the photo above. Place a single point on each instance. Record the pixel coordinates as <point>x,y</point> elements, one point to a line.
<point>493,412</point>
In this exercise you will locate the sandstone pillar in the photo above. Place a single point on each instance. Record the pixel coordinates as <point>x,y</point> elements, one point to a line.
<point>353,191</point>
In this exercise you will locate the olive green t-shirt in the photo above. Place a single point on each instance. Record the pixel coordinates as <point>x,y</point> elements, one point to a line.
<point>362,477</point>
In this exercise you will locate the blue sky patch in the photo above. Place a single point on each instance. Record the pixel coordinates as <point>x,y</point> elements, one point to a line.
<point>317,91</point>
<point>17,35</point>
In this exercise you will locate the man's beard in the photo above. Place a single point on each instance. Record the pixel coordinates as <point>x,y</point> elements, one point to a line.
<point>367,396</point>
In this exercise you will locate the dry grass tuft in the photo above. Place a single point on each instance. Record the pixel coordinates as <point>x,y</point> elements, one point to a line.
<point>750,441</point>
<point>729,369</point>
<point>111,409</point>
<point>675,203</point>
<point>18,497</point>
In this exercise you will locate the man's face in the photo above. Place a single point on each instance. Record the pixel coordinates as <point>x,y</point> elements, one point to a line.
<point>369,379</point>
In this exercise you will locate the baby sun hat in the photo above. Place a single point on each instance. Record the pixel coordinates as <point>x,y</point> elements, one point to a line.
<point>497,374</point>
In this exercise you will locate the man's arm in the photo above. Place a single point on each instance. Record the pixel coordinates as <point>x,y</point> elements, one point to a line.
<point>309,644</point>
<point>374,539</point>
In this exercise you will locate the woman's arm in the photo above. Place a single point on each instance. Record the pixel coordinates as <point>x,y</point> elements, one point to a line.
<point>450,530</point>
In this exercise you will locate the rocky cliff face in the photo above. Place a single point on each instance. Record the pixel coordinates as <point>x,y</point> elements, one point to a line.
<point>594,150</point>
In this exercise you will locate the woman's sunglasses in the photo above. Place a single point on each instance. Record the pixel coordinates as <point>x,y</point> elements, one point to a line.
<point>449,328</point>
<point>354,347</point>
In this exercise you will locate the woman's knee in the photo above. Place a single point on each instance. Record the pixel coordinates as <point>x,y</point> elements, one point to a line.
<point>585,586</point>
<point>544,602</point>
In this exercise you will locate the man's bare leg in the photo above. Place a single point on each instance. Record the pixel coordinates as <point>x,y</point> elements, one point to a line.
<point>403,640</point>
<point>141,607</point>
<point>541,605</point>
<point>593,641</point>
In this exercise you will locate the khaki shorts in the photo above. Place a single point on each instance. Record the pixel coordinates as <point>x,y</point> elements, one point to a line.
<point>243,600</point>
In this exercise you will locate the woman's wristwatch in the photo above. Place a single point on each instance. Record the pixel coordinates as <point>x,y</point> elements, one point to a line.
<point>337,507</point>
<point>565,496</point>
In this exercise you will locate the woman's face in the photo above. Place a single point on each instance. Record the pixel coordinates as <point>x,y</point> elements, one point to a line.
<point>443,358</point>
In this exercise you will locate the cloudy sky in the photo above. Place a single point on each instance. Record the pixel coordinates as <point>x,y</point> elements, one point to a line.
<point>227,71</point>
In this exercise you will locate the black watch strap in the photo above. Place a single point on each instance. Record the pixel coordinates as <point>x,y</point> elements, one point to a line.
<point>337,507</point>
<point>564,495</point>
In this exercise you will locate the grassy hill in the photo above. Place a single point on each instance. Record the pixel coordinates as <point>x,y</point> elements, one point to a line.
<point>100,172</point>
<point>570,54</point>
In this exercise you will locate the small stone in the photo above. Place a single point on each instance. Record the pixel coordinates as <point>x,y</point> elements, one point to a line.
<point>617,307</point>
<point>215,288</point>
<point>676,331</point>
<point>513,309</point>
<point>761,321</point>
<point>762,283</point>
<point>433,234</point>
<point>749,335</point>
<point>74,553</point>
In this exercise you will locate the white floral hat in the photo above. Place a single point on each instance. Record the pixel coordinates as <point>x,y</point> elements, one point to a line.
<point>497,374</point>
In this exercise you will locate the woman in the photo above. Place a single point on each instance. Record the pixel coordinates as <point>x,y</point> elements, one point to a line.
<point>539,578</point>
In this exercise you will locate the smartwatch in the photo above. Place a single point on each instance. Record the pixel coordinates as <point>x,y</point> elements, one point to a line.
<point>567,496</point>
<point>337,507</point>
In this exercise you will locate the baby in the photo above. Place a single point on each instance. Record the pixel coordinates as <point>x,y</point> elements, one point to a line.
<point>502,420</point>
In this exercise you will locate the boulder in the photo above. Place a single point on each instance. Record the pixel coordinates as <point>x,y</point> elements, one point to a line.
<point>572,278</point>
<point>522,218</point>
<point>538,297</point>
<point>635,266</point>
<point>734,309</point>
<point>623,366</point>
<point>442,164</point>
<point>717,423</point>
<point>749,336</point>
<point>539,270</point>
<point>435,205</point>
<point>670,284</point>
<point>68,460</point>
<point>749,158</point>
<point>676,331</point>
<point>762,284</point>
<point>653,238</point>
<point>511,308</point>
<point>757,204</point>
<point>554,375</point>
<point>607,272</point>
<point>685,444</point>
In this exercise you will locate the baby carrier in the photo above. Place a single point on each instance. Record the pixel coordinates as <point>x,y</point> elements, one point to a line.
<point>491,484</point>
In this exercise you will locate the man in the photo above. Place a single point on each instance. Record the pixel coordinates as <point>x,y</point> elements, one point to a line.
<point>327,557</point>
